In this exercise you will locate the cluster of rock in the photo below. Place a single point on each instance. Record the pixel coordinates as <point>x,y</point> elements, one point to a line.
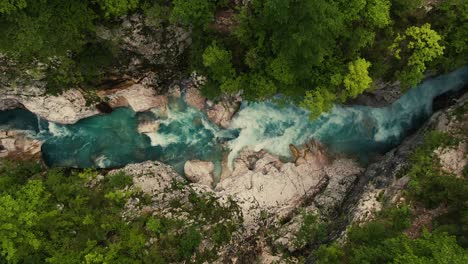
<point>266,190</point>
<point>19,145</point>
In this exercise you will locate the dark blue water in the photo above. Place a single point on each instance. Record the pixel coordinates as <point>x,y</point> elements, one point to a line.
<point>185,133</point>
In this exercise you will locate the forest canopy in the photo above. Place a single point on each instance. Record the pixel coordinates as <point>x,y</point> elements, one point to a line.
<point>314,53</point>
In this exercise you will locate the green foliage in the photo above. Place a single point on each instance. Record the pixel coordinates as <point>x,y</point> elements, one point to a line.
<point>318,101</point>
<point>450,20</point>
<point>403,8</point>
<point>382,241</point>
<point>54,217</point>
<point>192,12</point>
<point>357,80</point>
<point>417,47</point>
<point>117,7</point>
<point>218,62</point>
<point>46,28</point>
<point>431,185</point>
<point>156,13</point>
<point>378,12</point>
<point>9,6</point>
<point>329,254</point>
<point>23,211</point>
<point>311,231</point>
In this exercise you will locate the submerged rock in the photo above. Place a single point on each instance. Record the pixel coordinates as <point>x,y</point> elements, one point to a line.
<point>151,126</point>
<point>198,171</point>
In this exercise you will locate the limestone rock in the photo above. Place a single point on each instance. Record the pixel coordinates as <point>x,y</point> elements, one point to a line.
<point>19,145</point>
<point>198,171</point>
<point>272,187</point>
<point>151,177</point>
<point>67,108</point>
<point>140,98</point>
<point>194,98</point>
<point>453,160</point>
<point>222,112</point>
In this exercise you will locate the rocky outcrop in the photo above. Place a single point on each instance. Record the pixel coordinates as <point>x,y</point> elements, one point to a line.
<point>140,98</point>
<point>268,185</point>
<point>152,177</point>
<point>453,159</point>
<point>194,98</point>
<point>67,108</point>
<point>151,54</point>
<point>222,112</point>
<point>198,171</point>
<point>19,145</point>
<point>144,48</point>
<point>386,180</point>
<point>381,94</point>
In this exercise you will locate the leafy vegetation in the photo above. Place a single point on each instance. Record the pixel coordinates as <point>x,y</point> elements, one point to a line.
<point>314,53</point>
<point>311,231</point>
<point>67,216</point>
<point>383,240</point>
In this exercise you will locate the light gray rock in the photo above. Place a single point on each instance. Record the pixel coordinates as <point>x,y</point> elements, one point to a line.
<point>223,112</point>
<point>139,97</point>
<point>19,145</point>
<point>152,177</point>
<point>453,159</point>
<point>194,98</point>
<point>198,171</point>
<point>280,188</point>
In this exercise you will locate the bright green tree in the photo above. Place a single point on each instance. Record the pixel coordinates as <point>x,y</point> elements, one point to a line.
<point>318,101</point>
<point>417,47</point>
<point>218,61</point>
<point>357,80</point>
<point>378,12</point>
<point>8,6</point>
<point>117,7</point>
<point>22,215</point>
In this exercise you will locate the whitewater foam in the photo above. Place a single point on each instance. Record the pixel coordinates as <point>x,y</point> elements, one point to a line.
<point>58,130</point>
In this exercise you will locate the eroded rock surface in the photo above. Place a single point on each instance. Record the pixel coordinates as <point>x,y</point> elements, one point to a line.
<point>153,177</point>
<point>140,98</point>
<point>198,171</point>
<point>19,145</point>
<point>222,112</point>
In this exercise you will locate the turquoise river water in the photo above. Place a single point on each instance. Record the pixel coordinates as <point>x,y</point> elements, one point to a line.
<point>185,133</point>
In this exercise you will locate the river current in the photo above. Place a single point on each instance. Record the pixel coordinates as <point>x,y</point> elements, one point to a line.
<point>185,133</point>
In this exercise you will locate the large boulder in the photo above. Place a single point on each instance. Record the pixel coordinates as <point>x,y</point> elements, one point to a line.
<point>222,112</point>
<point>66,108</point>
<point>194,98</point>
<point>19,145</point>
<point>139,97</point>
<point>152,177</point>
<point>198,171</point>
